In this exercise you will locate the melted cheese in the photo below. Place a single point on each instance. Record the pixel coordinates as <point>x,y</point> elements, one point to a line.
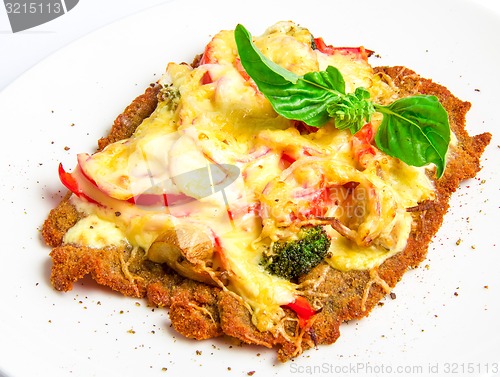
<point>225,120</point>
<point>95,232</point>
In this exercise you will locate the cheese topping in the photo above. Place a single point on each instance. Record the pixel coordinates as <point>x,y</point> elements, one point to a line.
<point>215,153</point>
<point>95,232</point>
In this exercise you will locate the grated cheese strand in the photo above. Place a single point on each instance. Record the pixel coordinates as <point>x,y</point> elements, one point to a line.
<point>374,279</point>
<point>128,275</point>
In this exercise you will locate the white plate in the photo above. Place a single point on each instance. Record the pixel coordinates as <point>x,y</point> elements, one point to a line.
<point>444,313</point>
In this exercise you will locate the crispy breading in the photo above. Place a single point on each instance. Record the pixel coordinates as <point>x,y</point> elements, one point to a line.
<point>201,311</point>
<point>126,123</point>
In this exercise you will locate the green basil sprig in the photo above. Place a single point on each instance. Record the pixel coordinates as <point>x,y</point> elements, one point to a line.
<point>414,129</point>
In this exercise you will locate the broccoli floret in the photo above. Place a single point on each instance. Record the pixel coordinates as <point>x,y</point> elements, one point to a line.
<point>291,259</point>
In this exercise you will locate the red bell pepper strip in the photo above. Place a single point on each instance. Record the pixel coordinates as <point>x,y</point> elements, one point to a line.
<point>330,50</point>
<point>71,183</point>
<point>76,181</point>
<point>164,200</point>
<point>362,144</point>
<point>303,309</point>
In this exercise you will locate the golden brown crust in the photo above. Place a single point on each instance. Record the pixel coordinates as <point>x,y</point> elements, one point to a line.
<point>194,310</point>
<point>60,219</point>
<point>126,123</point>
<point>200,311</point>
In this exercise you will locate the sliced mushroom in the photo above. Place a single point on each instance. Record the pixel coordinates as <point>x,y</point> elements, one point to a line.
<point>188,249</point>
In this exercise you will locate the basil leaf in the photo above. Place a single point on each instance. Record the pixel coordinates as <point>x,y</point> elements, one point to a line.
<point>288,93</point>
<point>352,111</point>
<point>314,98</point>
<point>416,130</point>
<point>310,98</point>
<point>261,69</point>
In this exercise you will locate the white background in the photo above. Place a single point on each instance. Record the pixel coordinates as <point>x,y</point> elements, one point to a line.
<point>22,50</point>
<point>85,333</point>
